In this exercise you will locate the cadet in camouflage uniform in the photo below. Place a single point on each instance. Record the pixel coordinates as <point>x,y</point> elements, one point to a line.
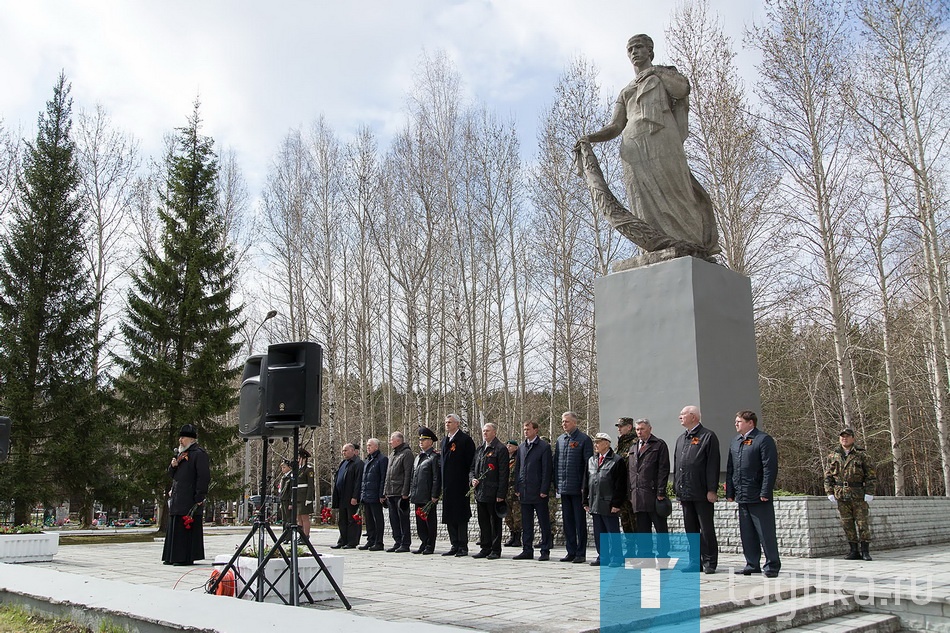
<point>849,484</point>
<point>626,437</point>
<point>513,518</point>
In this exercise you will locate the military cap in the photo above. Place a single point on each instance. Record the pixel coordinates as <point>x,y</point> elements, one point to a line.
<point>846,432</point>
<point>426,433</point>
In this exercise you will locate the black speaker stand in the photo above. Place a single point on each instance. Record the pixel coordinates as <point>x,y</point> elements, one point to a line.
<point>293,537</point>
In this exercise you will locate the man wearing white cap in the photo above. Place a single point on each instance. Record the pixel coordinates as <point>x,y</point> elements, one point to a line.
<point>605,489</point>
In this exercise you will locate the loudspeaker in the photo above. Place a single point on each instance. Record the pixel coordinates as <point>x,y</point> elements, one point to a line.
<point>292,392</point>
<point>4,438</point>
<point>251,408</point>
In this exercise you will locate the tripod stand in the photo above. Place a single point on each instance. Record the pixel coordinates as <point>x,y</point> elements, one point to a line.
<point>292,535</point>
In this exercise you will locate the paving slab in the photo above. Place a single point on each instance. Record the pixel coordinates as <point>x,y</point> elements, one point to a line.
<point>503,595</point>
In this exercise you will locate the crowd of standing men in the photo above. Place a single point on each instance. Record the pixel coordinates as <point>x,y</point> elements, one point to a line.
<point>623,488</point>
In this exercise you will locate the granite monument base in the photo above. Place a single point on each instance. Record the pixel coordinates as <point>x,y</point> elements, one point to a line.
<point>672,334</point>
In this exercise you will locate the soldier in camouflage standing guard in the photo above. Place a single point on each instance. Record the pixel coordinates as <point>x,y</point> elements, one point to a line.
<point>513,518</point>
<point>626,437</point>
<point>849,484</point>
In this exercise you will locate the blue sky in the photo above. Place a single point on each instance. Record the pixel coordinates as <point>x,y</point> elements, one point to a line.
<point>261,69</point>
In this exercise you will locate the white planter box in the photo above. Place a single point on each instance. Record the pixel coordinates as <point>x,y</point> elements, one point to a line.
<point>28,548</point>
<point>320,589</point>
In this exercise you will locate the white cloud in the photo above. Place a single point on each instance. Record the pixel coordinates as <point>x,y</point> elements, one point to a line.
<point>263,68</point>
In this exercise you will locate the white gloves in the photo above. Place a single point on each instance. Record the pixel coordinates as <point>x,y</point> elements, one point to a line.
<point>868,498</point>
<point>832,499</point>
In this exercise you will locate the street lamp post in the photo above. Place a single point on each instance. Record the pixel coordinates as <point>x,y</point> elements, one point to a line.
<point>242,511</point>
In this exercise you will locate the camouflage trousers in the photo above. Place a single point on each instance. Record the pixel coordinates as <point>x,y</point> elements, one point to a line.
<point>855,521</point>
<point>627,519</point>
<point>513,518</point>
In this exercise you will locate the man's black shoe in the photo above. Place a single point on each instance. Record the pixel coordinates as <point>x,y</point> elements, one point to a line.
<point>579,559</point>
<point>451,552</point>
<point>770,574</point>
<point>427,552</point>
<point>480,555</point>
<point>349,547</point>
<point>493,556</point>
<point>523,556</point>
<point>594,563</point>
<point>404,548</point>
<point>567,559</point>
<point>747,571</point>
<point>462,553</point>
<point>544,556</point>
<point>376,548</point>
<point>364,547</point>
<point>337,546</point>
<point>709,570</point>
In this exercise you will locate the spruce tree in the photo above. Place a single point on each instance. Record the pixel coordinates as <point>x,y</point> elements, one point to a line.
<point>180,326</point>
<point>46,338</point>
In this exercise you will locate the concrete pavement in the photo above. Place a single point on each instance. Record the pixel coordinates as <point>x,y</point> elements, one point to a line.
<point>507,595</point>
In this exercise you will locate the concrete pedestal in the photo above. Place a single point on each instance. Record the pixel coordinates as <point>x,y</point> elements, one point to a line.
<point>672,334</point>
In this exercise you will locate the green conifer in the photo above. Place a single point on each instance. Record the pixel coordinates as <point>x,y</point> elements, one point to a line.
<point>46,307</point>
<point>180,325</point>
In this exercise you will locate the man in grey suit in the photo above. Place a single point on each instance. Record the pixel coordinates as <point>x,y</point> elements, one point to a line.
<point>534,465</point>
<point>750,480</point>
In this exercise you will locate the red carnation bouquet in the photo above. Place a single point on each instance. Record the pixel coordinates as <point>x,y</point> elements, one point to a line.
<point>189,518</point>
<point>423,512</point>
<point>471,491</point>
<point>358,516</point>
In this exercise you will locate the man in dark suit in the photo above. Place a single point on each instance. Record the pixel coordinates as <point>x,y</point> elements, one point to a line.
<point>457,453</point>
<point>750,480</point>
<point>648,470</point>
<point>696,467</point>
<point>534,465</point>
<point>489,476</point>
<point>346,492</point>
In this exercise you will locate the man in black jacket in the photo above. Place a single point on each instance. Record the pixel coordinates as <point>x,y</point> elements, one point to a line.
<point>696,480</point>
<point>425,491</point>
<point>489,476</point>
<point>346,491</point>
<point>191,475</point>
<point>457,453</point>
<point>605,490</point>
<point>534,468</point>
<point>750,480</point>
<point>371,495</point>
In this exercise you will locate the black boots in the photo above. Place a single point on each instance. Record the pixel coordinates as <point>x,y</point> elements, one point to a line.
<point>864,550</point>
<point>853,554</point>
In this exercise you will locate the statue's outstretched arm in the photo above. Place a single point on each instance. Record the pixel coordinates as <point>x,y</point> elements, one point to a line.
<point>618,121</point>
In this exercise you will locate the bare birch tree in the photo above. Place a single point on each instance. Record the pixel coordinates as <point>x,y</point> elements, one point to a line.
<point>804,47</point>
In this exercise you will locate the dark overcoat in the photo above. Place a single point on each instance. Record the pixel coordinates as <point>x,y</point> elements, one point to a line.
<point>190,480</point>
<point>457,457</point>
<point>490,467</point>
<point>647,473</point>
<point>352,481</point>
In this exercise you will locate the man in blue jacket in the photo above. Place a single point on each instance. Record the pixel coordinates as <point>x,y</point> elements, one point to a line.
<point>372,497</point>
<point>571,453</point>
<point>750,481</point>
<point>533,471</point>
